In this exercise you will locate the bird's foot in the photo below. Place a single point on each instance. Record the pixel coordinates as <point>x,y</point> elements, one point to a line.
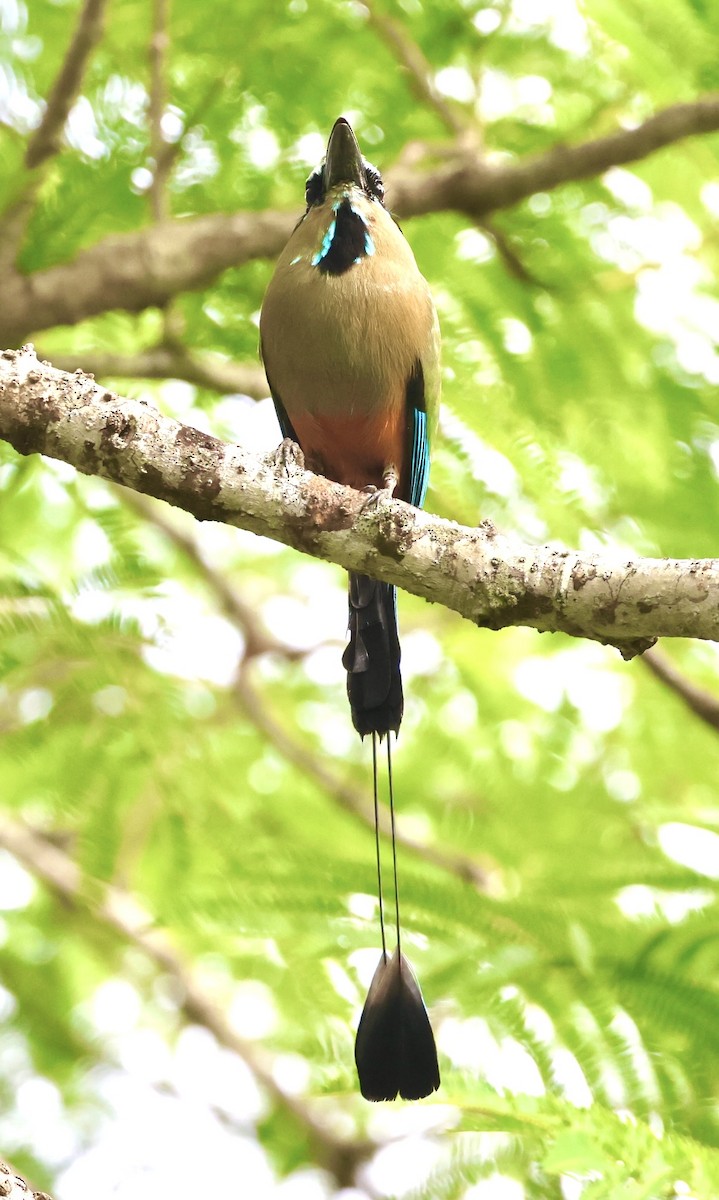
<point>373,497</point>
<point>288,457</point>
<point>376,495</point>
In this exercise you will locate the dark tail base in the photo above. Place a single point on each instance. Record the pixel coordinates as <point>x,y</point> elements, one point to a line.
<point>374,683</point>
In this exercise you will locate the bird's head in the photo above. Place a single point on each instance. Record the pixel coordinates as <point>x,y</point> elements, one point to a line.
<point>344,203</point>
<point>343,167</point>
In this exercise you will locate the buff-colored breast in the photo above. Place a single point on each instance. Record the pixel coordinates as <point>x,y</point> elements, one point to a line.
<point>340,349</point>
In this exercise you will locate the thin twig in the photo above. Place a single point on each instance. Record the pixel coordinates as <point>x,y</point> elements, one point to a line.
<point>169,362</point>
<point>410,56</point>
<point>234,606</point>
<point>46,140</point>
<point>14,224</point>
<point>159,42</point>
<point>509,256</point>
<point>111,908</point>
<point>704,704</point>
<point>158,193</point>
<point>345,794</point>
<point>169,151</point>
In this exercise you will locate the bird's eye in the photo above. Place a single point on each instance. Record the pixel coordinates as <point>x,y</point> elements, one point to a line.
<point>374,181</point>
<point>314,188</point>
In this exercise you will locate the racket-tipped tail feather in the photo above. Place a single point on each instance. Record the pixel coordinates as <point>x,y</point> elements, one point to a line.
<point>394,1049</point>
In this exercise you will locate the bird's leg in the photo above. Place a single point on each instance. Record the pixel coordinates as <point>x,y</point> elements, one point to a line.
<point>390,480</point>
<point>288,457</point>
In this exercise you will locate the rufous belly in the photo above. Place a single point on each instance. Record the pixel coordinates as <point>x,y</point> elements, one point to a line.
<point>356,450</point>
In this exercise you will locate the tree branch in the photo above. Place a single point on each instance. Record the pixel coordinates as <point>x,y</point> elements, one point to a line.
<point>46,140</point>
<point>14,1187</point>
<point>508,255</point>
<point>491,579</point>
<point>345,795</point>
<point>476,187</point>
<point>117,910</point>
<point>171,150</point>
<point>408,55</point>
<point>237,610</point>
<point>702,703</point>
<point>171,362</point>
<point>146,268</point>
<point>159,42</point>
<point>134,271</point>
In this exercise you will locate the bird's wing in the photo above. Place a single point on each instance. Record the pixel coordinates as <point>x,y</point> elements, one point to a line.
<point>418,437</point>
<point>284,420</point>
<point>422,399</point>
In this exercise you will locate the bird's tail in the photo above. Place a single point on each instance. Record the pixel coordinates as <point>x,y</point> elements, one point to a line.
<point>374,683</point>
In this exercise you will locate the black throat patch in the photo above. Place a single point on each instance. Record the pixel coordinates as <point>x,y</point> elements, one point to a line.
<point>346,242</point>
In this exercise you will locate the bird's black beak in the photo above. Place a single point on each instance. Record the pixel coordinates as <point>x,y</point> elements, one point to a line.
<point>344,162</point>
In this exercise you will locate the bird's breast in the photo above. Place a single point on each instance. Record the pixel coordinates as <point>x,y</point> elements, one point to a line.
<point>349,341</point>
<point>342,337</point>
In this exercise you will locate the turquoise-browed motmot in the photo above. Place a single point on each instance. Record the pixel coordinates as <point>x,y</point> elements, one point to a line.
<point>350,342</point>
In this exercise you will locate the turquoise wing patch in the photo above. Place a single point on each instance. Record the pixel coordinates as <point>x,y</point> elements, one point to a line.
<point>418,438</point>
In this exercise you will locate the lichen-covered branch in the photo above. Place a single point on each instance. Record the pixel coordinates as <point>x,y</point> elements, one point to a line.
<point>139,270</point>
<point>491,579</point>
<point>14,1187</point>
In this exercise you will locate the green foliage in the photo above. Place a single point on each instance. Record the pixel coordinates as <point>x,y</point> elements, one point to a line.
<point>574,990</point>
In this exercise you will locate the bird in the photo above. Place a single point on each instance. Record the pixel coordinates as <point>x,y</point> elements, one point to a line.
<point>350,342</point>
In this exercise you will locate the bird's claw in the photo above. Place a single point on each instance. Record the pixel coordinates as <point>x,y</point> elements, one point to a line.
<point>374,496</point>
<point>288,457</point>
